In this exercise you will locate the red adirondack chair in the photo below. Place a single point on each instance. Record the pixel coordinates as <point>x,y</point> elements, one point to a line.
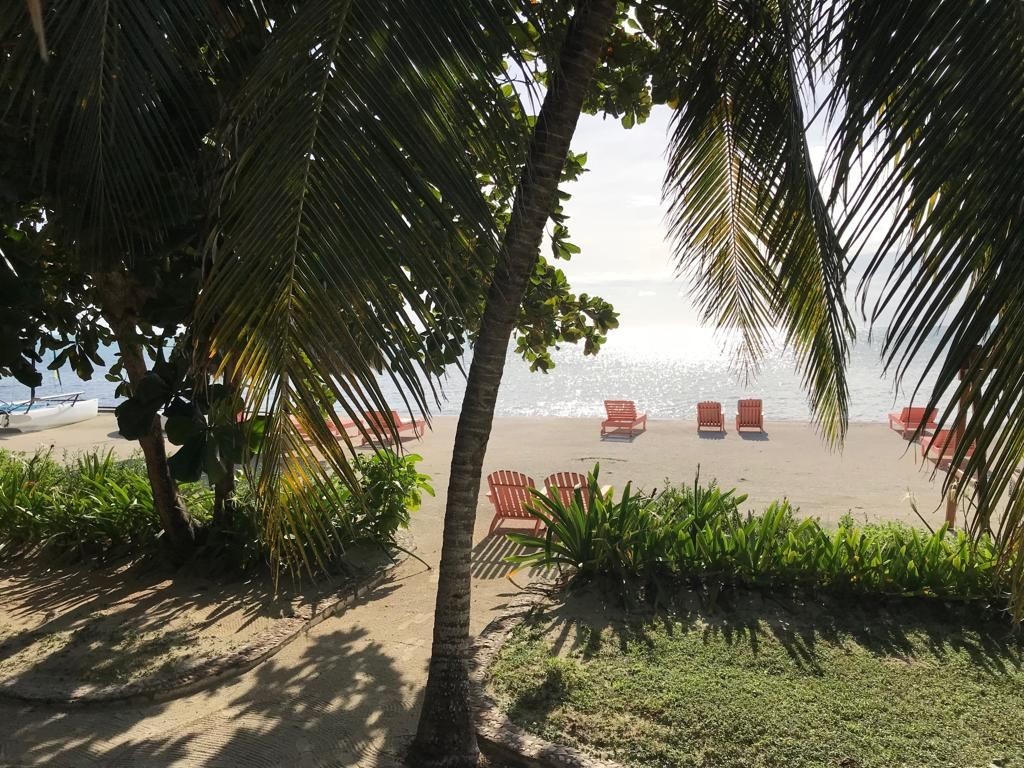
<point>622,415</point>
<point>908,420</point>
<point>941,446</point>
<point>563,485</point>
<point>509,493</point>
<point>710,416</point>
<point>749,415</point>
<point>345,425</point>
<point>377,426</point>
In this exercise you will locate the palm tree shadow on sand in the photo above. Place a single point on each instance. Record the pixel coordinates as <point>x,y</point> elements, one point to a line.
<point>342,701</point>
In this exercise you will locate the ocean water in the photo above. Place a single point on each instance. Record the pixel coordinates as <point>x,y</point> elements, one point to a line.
<point>661,357</point>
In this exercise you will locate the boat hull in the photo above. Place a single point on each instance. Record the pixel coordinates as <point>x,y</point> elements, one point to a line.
<point>58,415</point>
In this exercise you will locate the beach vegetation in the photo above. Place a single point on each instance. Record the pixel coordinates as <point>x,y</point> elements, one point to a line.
<point>96,507</point>
<point>698,535</point>
<point>337,214</point>
<point>85,280</point>
<point>769,247</point>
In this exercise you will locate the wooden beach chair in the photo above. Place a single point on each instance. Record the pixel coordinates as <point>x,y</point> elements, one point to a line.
<point>377,426</point>
<point>749,415</point>
<point>347,426</point>
<point>710,416</point>
<point>909,420</point>
<point>941,446</point>
<point>563,485</point>
<point>622,415</point>
<point>509,493</point>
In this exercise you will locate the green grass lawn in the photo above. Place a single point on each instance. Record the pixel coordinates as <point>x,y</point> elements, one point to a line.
<point>765,683</point>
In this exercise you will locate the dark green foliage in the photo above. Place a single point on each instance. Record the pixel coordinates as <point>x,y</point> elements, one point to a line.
<point>699,534</point>
<point>97,507</point>
<point>392,488</point>
<point>100,507</point>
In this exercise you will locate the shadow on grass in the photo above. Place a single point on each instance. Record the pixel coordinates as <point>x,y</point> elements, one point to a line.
<point>883,626</point>
<point>335,699</point>
<point>725,677</point>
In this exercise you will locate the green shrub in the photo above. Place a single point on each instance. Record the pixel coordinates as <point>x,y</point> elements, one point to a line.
<point>601,536</point>
<point>97,507</point>
<point>100,507</point>
<point>392,488</point>
<point>698,533</point>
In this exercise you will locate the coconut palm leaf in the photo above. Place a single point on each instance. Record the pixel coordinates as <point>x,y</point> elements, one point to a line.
<point>352,191</point>
<point>746,217</point>
<point>118,113</point>
<point>929,108</point>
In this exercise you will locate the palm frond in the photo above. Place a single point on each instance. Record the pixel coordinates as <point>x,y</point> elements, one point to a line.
<point>118,114</point>
<point>747,218</point>
<point>929,108</point>
<point>351,193</point>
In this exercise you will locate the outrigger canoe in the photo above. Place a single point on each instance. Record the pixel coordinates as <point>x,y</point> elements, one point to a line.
<point>46,412</point>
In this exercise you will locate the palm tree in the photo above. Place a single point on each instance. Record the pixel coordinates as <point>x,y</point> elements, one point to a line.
<point>446,734</point>
<point>115,122</point>
<point>924,100</point>
<point>346,185</point>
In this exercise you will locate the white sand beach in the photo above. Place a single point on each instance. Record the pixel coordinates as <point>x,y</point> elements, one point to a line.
<point>874,475</point>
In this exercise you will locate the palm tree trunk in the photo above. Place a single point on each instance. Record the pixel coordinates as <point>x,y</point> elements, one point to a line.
<point>446,735</point>
<point>223,502</point>
<point>118,297</point>
<point>175,520</point>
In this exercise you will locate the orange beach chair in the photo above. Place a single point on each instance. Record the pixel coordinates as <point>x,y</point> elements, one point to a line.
<point>909,420</point>
<point>563,485</point>
<point>377,426</point>
<point>941,446</point>
<point>509,493</point>
<point>346,426</point>
<point>622,415</point>
<point>710,416</point>
<point>749,415</point>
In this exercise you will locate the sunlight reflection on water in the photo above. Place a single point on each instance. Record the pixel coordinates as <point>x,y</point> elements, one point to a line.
<point>665,367</point>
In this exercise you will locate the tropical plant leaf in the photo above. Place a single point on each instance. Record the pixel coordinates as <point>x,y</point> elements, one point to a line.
<point>746,216</point>
<point>118,115</point>
<point>929,111</point>
<point>35,12</point>
<point>351,191</point>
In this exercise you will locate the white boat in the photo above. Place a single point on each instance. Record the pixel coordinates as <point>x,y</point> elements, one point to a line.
<point>46,412</point>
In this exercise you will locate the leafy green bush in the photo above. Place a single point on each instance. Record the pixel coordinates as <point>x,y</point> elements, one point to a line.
<point>101,507</point>
<point>698,533</point>
<point>95,507</point>
<point>391,488</point>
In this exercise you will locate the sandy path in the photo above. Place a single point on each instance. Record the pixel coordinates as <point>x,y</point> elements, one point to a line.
<point>347,694</point>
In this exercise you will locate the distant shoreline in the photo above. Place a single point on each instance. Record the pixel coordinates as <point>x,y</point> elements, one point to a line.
<point>109,409</point>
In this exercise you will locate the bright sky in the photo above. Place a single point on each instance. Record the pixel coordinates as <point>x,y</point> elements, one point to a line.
<point>616,215</point>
